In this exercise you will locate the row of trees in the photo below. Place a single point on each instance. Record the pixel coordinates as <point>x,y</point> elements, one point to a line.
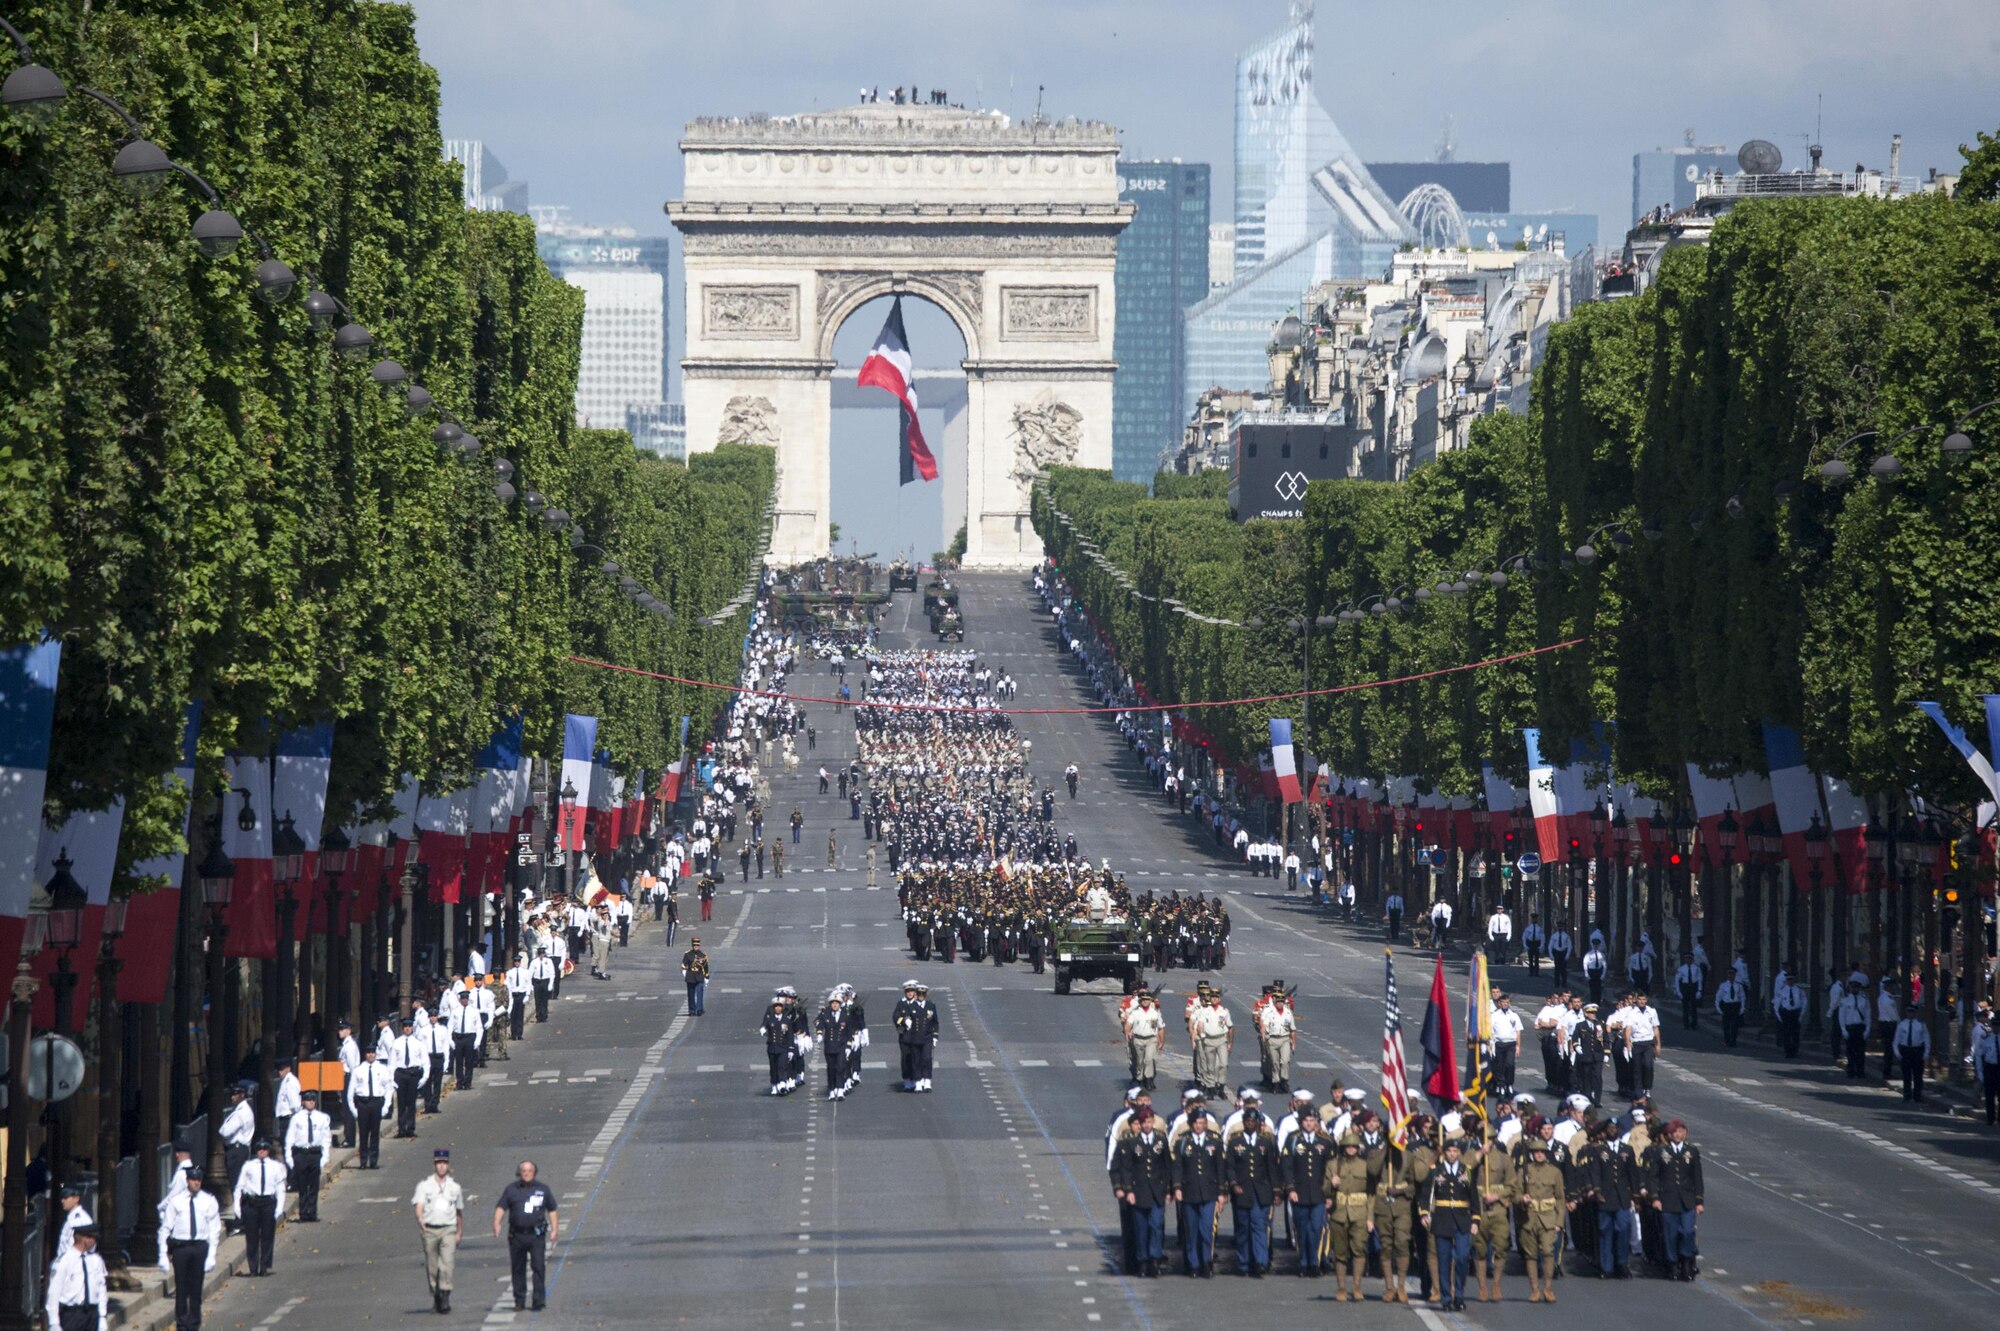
<point>207,506</point>
<point>1735,584</point>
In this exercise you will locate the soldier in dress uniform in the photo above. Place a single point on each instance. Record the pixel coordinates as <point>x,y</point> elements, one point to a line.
<point>776,1029</point>
<point>1307,1153</point>
<point>1142,1174</point>
<point>1198,1181</point>
<point>1349,1206</point>
<point>1255,1174</point>
<point>1451,1219</point>
<point>1675,1167</point>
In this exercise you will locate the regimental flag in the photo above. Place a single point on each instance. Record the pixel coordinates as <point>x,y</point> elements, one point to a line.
<point>888,367</point>
<point>1284,762</point>
<point>1478,1034</point>
<point>1440,1050</point>
<point>1395,1074</point>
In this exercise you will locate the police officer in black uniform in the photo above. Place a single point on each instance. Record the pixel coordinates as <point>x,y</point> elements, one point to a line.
<point>527,1208</point>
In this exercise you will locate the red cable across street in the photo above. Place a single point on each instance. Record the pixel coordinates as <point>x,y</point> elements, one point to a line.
<point>1081,711</point>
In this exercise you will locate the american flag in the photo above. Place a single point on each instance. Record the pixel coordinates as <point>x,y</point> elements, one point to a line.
<point>1395,1075</point>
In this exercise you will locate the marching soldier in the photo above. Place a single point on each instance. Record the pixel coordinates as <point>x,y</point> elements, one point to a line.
<point>307,1139</point>
<point>1609,1172</point>
<point>1307,1154</point>
<point>1198,1178</point>
<point>1349,1207</point>
<point>1496,1206</point>
<point>1452,1221</point>
<point>777,1032</point>
<point>1392,1191</point>
<point>440,1207</point>
<point>1255,1174</point>
<point>1145,1039</point>
<point>1212,1033</point>
<point>1142,1174</point>
<point>1677,1198</point>
<point>1278,1031</point>
<point>1545,1205</point>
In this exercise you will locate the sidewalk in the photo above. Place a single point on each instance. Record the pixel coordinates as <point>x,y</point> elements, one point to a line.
<point>151,1306</point>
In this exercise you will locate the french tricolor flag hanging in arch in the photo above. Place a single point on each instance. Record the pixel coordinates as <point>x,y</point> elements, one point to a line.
<point>1284,759</point>
<point>888,367</point>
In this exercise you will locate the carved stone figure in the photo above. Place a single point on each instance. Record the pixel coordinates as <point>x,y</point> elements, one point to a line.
<point>749,420</point>
<point>753,311</point>
<point>1047,432</point>
<point>1051,312</point>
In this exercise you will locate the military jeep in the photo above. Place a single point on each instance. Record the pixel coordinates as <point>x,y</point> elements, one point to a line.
<point>902,576</point>
<point>1103,951</point>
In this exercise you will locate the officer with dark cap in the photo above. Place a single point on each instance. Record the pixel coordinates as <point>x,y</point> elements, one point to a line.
<point>1255,1173</point>
<point>409,1065</point>
<point>1142,1174</point>
<point>1198,1182</point>
<point>239,1129</point>
<point>190,1234</point>
<point>367,1097</point>
<point>78,1298</point>
<point>70,1198</point>
<point>259,1188</point>
<point>307,1141</point>
<point>440,1208</point>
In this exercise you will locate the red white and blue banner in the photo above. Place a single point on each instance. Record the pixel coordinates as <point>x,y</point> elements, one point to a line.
<point>1284,760</point>
<point>143,961</point>
<point>1801,799</point>
<point>889,367</point>
<point>445,819</point>
<point>27,716</point>
<point>1981,763</point>
<point>579,743</point>
<point>299,774</point>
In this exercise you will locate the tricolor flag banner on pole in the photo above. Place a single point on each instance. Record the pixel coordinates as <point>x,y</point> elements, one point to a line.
<point>1981,764</point>
<point>1440,1050</point>
<point>579,743</point>
<point>445,819</point>
<point>27,717</point>
<point>1284,762</point>
<point>299,775</point>
<point>888,367</point>
<point>143,963</point>
<point>1395,1074</point>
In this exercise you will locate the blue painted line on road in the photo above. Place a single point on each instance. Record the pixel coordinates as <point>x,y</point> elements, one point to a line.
<point>1021,1093</point>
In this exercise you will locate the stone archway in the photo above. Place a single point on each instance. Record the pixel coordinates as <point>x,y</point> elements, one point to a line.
<point>790,224</point>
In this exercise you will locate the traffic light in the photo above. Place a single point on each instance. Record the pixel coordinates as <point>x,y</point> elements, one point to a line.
<point>1674,858</point>
<point>1576,845</point>
<point>1508,840</point>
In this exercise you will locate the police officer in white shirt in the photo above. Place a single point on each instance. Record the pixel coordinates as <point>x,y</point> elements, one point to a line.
<point>434,1039</point>
<point>259,1189</point>
<point>484,1003</point>
<point>1687,983</point>
<point>1642,1039</point>
<point>1986,1065</point>
<point>1912,1046</point>
<point>1440,923</point>
<point>475,965</point>
<point>190,1234</point>
<point>1506,1047</point>
<point>285,1102</point>
<point>368,1090</point>
<point>409,1065</point>
<point>1499,933</point>
<point>78,1297</point>
<point>1392,906</point>
<point>1729,1003</point>
<point>1531,943</point>
<point>519,987</point>
<point>350,1059</point>
<point>1561,944</point>
<point>1551,1033</point>
<point>467,1030</point>
<point>307,1141</point>
<point>239,1128</point>
<point>1788,1002</point>
<point>542,975</point>
<point>1596,965</point>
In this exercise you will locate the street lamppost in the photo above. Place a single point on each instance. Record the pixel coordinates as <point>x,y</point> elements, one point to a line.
<point>13,1254</point>
<point>1684,830</point>
<point>63,929</point>
<point>566,835</point>
<point>336,857</point>
<point>217,873</point>
<point>110,1062</point>
<point>288,855</point>
<point>1727,831</point>
<point>1816,838</point>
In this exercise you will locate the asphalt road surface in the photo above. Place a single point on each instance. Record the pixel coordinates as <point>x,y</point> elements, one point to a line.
<point>691,1199</point>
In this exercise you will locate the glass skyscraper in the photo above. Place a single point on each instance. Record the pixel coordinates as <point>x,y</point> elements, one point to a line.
<point>1162,271</point>
<point>1306,211</point>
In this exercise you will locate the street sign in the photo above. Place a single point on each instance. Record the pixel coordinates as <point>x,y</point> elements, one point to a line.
<point>1437,857</point>
<point>524,849</point>
<point>57,1053</point>
<point>1530,865</point>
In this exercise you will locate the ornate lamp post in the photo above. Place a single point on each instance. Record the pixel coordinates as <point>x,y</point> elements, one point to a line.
<point>1727,832</point>
<point>565,835</point>
<point>110,1061</point>
<point>1816,838</point>
<point>336,857</point>
<point>288,856</point>
<point>13,1255</point>
<point>63,929</point>
<point>217,873</point>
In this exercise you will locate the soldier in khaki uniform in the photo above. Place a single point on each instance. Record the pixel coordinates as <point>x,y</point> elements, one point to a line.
<point>1278,1030</point>
<point>1494,1175</point>
<point>1347,1216</point>
<point>1145,1039</point>
<point>1213,1035</point>
<point>1545,1205</point>
<point>1393,1191</point>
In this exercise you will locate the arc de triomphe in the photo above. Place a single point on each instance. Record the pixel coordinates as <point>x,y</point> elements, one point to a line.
<point>791,223</point>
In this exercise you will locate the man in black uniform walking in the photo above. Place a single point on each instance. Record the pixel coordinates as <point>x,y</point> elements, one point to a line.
<point>527,1208</point>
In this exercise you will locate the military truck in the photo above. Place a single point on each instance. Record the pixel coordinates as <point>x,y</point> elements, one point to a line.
<point>1098,951</point>
<point>950,626</point>
<point>902,576</point>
